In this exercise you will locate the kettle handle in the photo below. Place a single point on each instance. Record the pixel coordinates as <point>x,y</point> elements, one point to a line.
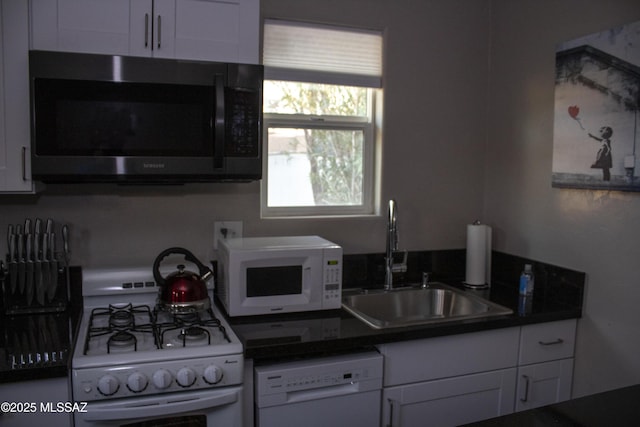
<point>204,271</point>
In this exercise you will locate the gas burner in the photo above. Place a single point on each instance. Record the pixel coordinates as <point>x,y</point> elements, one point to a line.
<point>122,340</point>
<point>179,336</point>
<point>190,329</point>
<point>121,319</point>
<point>194,333</point>
<point>186,318</point>
<point>120,328</point>
<point>120,316</point>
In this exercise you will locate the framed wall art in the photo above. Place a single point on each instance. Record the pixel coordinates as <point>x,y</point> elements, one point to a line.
<point>596,135</point>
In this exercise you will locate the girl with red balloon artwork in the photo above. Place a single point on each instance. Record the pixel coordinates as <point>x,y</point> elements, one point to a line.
<point>603,157</point>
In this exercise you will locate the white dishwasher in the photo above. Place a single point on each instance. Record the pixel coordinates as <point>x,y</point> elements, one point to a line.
<point>342,390</point>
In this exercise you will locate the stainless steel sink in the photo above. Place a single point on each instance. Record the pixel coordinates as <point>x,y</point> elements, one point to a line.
<point>438,303</point>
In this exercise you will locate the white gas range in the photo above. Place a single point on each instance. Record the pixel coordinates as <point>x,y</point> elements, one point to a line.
<point>139,366</point>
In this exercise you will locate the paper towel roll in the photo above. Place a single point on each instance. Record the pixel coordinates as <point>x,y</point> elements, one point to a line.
<point>478,272</point>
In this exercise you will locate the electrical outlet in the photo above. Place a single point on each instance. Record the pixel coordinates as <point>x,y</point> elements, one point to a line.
<point>226,230</point>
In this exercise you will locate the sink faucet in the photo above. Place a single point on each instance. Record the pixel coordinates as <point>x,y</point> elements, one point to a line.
<point>392,247</point>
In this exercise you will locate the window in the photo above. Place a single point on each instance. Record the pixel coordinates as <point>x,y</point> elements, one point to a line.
<point>320,92</point>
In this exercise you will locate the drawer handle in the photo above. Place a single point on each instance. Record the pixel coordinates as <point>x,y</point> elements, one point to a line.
<point>526,389</point>
<point>558,341</point>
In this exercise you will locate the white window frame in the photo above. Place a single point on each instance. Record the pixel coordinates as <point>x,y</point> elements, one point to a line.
<point>365,125</point>
<point>368,125</point>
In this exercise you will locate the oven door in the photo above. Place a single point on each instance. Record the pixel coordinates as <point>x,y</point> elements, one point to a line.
<point>216,407</point>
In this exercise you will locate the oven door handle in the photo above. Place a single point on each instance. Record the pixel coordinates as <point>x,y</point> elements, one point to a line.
<point>157,407</point>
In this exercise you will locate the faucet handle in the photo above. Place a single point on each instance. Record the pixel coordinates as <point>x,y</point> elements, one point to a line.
<point>399,267</point>
<point>425,279</point>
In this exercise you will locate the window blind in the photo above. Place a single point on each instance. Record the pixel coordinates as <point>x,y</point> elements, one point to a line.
<point>322,54</point>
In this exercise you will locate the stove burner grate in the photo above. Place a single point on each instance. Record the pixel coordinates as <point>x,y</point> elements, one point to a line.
<point>118,322</point>
<point>121,325</point>
<point>191,327</point>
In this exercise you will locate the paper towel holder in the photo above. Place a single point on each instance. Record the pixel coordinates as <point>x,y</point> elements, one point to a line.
<point>478,257</point>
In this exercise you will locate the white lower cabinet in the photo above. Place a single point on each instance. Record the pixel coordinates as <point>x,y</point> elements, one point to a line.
<point>450,380</point>
<point>458,379</point>
<point>545,364</point>
<point>450,401</point>
<point>544,383</point>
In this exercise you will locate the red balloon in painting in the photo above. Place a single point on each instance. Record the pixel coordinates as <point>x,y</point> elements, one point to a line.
<point>573,111</point>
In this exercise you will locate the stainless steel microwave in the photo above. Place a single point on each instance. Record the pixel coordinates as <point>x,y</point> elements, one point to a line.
<point>265,275</point>
<point>101,118</point>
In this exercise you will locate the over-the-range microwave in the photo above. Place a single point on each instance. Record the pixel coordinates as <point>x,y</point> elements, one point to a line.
<point>104,118</point>
<point>266,275</point>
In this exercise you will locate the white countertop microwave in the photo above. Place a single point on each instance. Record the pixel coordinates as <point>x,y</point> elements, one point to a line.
<point>266,275</point>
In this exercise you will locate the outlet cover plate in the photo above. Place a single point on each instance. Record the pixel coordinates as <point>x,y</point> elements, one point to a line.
<point>233,229</point>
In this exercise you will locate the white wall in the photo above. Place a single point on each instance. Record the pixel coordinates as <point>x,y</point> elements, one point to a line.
<point>592,231</point>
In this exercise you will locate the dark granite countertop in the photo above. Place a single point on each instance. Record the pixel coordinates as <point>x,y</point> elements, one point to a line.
<point>612,408</point>
<point>314,333</point>
<point>558,295</point>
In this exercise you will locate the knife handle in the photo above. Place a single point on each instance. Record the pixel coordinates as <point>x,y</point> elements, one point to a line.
<point>12,247</point>
<point>45,244</point>
<point>49,227</point>
<point>20,245</point>
<point>9,234</point>
<point>29,249</point>
<point>65,243</point>
<point>36,247</point>
<point>52,246</point>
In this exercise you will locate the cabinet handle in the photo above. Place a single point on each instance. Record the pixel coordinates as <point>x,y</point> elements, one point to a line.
<point>558,341</point>
<point>159,31</point>
<point>390,423</point>
<point>526,389</point>
<point>25,164</point>
<point>146,30</point>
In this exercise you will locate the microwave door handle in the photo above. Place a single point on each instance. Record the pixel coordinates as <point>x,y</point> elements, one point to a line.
<point>218,123</point>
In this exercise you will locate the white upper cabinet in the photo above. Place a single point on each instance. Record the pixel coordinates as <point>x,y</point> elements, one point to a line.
<point>186,29</point>
<point>15,143</point>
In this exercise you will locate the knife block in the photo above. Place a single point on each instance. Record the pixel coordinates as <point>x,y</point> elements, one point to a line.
<point>21,294</point>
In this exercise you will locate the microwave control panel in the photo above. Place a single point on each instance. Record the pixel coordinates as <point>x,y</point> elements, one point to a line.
<point>332,287</point>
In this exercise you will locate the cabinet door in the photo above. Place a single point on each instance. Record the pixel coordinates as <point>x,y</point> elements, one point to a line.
<point>15,143</point>
<point>224,31</point>
<point>544,383</point>
<point>153,28</point>
<point>92,26</point>
<point>219,31</point>
<point>451,401</point>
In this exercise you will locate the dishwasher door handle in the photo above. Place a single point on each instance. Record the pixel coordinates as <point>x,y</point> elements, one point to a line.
<point>322,392</point>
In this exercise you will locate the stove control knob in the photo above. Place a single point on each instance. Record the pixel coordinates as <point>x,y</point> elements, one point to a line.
<point>162,379</point>
<point>186,377</point>
<point>108,385</point>
<point>137,382</point>
<point>212,374</point>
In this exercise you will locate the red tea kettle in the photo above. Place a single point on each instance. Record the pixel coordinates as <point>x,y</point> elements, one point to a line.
<point>182,291</point>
